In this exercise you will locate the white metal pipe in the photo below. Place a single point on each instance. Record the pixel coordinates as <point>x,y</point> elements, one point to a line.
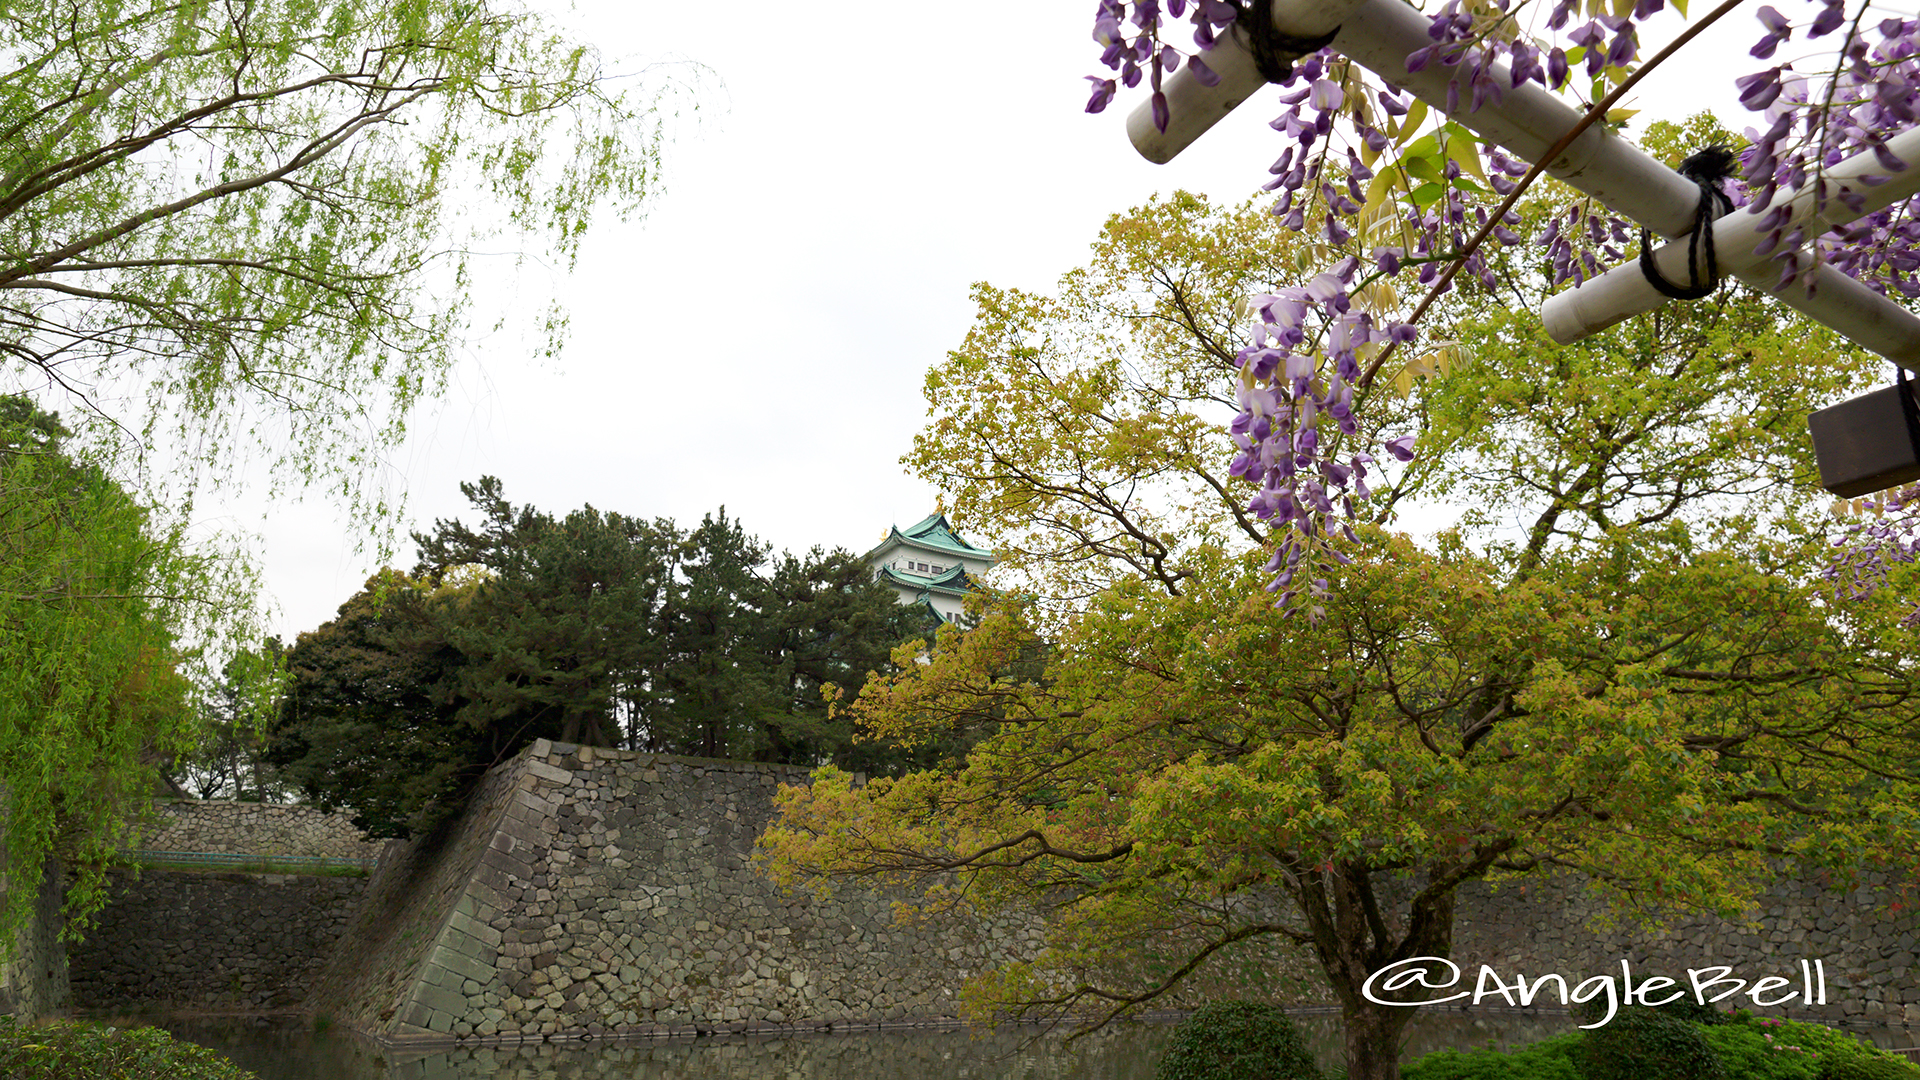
<point>1527,121</point>
<point>1193,107</point>
<point>1624,292</point>
<point>1380,34</point>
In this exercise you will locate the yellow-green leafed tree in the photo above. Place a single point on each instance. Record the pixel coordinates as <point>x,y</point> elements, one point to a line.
<point>1616,664</point>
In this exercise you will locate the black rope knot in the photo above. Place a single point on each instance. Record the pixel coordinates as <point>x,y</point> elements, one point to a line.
<point>1705,168</point>
<point>1273,51</point>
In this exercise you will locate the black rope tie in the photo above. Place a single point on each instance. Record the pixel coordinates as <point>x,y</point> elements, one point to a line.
<point>1273,51</point>
<point>1909,410</point>
<point>1706,168</point>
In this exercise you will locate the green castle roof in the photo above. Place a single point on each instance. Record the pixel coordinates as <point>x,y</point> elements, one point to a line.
<point>954,582</point>
<point>934,532</point>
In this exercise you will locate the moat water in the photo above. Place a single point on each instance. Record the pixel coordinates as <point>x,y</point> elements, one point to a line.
<point>282,1050</point>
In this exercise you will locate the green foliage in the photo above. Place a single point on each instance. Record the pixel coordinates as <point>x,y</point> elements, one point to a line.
<point>251,210</point>
<point>105,613</point>
<point>594,628</point>
<point>1882,1067</point>
<point>559,617</point>
<point>1237,1040</point>
<point>1557,1058</point>
<point>66,1050</point>
<point>1692,1011</point>
<point>1749,1052</point>
<point>717,680</point>
<point>235,711</point>
<point>1639,1043</point>
<point>1057,413</point>
<point>1616,665</point>
<point>1765,1048</point>
<point>367,721</point>
<point>1656,1043</point>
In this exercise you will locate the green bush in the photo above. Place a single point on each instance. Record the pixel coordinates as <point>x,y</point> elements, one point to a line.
<point>66,1050</point>
<point>1763,1048</point>
<point>1847,1058</point>
<point>1641,1043</point>
<point>1752,1052</point>
<point>1645,1044</point>
<point>1551,1059</point>
<point>1879,1066</point>
<point>1237,1040</point>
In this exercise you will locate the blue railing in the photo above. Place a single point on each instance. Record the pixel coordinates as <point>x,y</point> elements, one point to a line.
<point>221,860</point>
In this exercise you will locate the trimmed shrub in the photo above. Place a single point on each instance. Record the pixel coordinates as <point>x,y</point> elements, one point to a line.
<point>1765,1048</point>
<point>66,1050</point>
<point>1237,1040</point>
<point>1880,1066</point>
<point>1640,1043</point>
<point>1551,1059</point>
<point>1750,1052</point>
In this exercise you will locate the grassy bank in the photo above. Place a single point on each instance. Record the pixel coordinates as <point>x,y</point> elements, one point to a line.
<point>82,1050</point>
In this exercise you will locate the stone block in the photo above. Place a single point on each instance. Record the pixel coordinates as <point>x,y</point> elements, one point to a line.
<point>416,1016</point>
<point>473,928</point>
<point>526,835</point>
<point>438,975</point>
<point>440,999</point>
<point>461,965</point>
<point>487,888</point>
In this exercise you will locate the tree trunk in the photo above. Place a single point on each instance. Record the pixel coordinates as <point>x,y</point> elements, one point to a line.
<point>1373,1039</point>
<point>1355,936</point>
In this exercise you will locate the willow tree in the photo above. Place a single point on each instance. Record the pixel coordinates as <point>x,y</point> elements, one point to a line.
<point>1611,667</point>
<point>105,613</point>
<point>252,213</point>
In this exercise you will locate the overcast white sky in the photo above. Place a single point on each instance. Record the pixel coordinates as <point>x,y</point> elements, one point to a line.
<point>759,339</point>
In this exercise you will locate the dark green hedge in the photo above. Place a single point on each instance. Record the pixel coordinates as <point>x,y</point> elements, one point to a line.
<point>1649,1044</point>
<point>1237,1040</point>
<point>68,1050</point>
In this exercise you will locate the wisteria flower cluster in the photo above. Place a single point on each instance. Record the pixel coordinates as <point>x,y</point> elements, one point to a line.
<point>1887,535</point>
<point>1296,425</point>
<point>1814,123</point>
<point>1296,382</point>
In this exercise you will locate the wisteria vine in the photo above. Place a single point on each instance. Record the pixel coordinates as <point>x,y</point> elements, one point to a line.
<point>1887,535</point>
<point>1302,382</point>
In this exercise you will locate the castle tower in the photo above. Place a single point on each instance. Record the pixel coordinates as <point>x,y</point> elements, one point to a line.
<point>928,563</point>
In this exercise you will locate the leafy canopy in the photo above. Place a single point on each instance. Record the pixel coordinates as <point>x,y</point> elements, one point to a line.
<point>106,614</point>
<point>250,216</point>
<point>1615,666</point>
<point>594,628</point>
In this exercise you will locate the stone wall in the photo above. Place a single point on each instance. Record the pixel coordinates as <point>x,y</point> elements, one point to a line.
<point>33,976</point>
<point>1867,950</point>
<point>229,942</point>
<point>410,912</point>
<point>614,894</point>
<point>246,828</point>
<point>593,892</point>
<point>1544,926</point>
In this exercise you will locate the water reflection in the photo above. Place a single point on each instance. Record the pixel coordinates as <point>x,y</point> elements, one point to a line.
<point>289,1051</point>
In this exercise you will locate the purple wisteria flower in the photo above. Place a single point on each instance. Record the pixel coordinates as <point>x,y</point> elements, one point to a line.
<point>1303,383</point>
